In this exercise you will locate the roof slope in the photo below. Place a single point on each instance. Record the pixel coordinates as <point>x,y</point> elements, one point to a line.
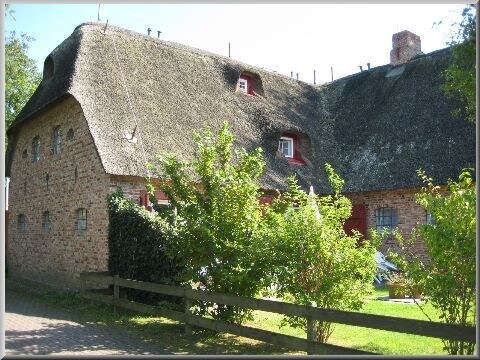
<point>375,130</point>
<point>391,121</point>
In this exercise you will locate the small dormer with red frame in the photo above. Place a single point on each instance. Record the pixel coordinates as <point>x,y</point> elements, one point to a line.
<point>289,146</point>
<point>249,84</point>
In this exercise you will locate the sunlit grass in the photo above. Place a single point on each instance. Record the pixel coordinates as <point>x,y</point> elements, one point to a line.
<point>170,334</point>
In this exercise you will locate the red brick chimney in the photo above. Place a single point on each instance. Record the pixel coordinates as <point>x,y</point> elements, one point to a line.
<point>405,46</point>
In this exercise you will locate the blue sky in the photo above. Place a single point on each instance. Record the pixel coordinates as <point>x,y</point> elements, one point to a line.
<point>279,37</point>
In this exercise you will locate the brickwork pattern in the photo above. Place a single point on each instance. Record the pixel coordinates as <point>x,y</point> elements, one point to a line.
<point>76,179</point>
<point>35,329</point>
<point>409,214</point>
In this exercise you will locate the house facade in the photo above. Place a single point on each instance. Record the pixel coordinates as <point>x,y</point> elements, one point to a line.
<point>111,100</point>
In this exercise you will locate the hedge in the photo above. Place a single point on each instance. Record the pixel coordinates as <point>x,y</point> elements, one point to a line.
<point>137,247</point>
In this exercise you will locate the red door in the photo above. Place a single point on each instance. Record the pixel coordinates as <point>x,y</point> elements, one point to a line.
<point>358,220</point>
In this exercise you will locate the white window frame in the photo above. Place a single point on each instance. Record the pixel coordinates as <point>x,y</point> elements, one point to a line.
<point>291,143</point>
<point>244,82</point>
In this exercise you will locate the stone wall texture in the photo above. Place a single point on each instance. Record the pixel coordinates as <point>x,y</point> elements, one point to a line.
<point>76,179</point>
<point>408,211</point>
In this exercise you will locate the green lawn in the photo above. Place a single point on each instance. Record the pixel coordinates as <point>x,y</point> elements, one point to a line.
<point>378,341</point>
<point>170,334</point>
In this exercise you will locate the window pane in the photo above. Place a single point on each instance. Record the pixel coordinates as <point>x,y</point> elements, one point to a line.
<point>286,146</point>
<point>81,219</point>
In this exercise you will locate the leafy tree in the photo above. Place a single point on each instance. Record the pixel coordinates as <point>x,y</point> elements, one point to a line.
<point>21,74</point>
<point>460,76</point>
<point>448,279</point>
<point>217,216</point>
<point>313,260</point>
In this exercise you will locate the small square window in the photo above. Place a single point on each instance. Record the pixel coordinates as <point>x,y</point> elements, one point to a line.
<point>243,85</point>
<point>285,146</point>
<point>386,219</point>
<point>81,223</point>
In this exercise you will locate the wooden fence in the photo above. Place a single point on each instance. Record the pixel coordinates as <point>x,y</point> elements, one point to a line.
<point>380,322</point>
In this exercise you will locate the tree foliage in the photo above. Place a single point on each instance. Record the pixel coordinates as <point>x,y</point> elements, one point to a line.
<point>313,260</point>
<point>448,279</point>
<point>21,74</point>
<point>460,76</point>
<point>217,216</point>
<point>138,245</point>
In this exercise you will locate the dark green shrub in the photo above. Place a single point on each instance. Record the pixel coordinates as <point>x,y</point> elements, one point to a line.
<point>137,248</point>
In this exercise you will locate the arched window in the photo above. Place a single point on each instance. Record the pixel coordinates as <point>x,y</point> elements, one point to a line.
<point>21,222</point>
<point>46,221</point>
<point>81,223</point>
<point>70,134</point>
<point>36,149</point>
<point>386,219</point>
<point>57,139</point>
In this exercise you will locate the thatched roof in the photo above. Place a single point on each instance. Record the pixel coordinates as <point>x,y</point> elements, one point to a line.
<point>376,130</point>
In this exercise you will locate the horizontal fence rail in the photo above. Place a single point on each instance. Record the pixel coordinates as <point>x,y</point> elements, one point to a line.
<point>379,322</point>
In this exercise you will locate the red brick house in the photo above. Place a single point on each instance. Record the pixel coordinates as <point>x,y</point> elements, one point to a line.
<point>112,99</point>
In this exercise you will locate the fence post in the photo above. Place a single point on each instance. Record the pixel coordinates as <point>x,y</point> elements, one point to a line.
<point>188,305</point>
<point>116,293</point>
<point>310,330</point>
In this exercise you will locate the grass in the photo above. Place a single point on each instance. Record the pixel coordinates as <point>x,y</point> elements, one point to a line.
<point>378,341</point>
<point>170,335</point>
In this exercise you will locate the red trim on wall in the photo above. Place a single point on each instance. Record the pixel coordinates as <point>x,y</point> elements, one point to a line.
<point>145,201</point>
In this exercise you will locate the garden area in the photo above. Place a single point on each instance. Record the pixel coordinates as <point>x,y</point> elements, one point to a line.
<point>170,334</point>
<point>216,236</point>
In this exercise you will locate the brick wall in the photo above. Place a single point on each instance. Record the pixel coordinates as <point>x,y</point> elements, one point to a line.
<point>409,213</point>
<point>76,180</point>
<point>130,185</point>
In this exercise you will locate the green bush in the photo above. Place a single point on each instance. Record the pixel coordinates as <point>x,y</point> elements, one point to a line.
<point>312,259</point>
<point>448,280</point>
<point>137,247</point>
<point>216,218</point>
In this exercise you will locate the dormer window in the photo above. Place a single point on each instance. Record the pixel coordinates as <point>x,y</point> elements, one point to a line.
<point>286,146</point>
<point>249,84</point>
